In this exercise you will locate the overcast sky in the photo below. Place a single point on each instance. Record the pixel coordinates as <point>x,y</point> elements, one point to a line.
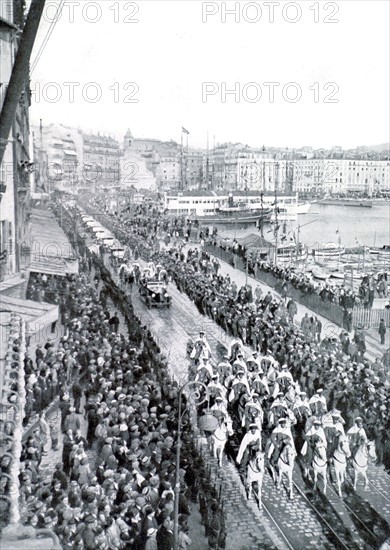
<point>339,71</point>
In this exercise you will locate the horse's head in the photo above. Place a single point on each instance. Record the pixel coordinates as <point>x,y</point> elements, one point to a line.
<point>228,425</point>
<point>319,448</point>
<point>288,452</point>
<point>255,452</point>
<point>344,446</point>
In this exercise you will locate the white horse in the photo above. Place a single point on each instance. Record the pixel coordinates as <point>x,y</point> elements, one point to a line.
<point>320,463</point>
<point>365,452</point>
<point>220,436</point>
<point>286,466</point>
<point>339,458</point>
<point>255,473</point>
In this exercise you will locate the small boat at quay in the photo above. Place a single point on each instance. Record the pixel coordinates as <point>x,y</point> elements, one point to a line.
<point>329,250</point>
<point>337,275</point>
<point>318,273</point>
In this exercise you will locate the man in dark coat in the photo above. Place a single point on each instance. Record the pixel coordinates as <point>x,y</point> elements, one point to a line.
<point>165,535</point>
<point>382,331</point>
<point>77,391</point>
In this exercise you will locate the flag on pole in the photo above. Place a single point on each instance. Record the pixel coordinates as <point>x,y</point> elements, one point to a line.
<point>184,131</point>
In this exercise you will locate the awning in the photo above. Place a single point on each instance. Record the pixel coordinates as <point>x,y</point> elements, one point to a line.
<point>255,241</point>
<point>51,251</point>
<point>37,315</point>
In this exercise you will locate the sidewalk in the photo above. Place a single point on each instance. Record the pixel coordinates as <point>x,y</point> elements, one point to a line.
<point>329,329</point>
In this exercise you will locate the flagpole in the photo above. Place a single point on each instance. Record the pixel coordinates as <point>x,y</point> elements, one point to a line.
<point>338,231</point>
<point>181,164</point>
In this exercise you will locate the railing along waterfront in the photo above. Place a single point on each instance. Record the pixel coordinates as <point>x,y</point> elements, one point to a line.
<point>330,311</point>
<point>370,318</point>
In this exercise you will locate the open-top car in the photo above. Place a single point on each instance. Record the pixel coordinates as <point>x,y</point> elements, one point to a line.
<point>154,293</point>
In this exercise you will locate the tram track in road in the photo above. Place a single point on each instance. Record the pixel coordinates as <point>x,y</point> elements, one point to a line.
<point>355,544</point>
<point>276,525</point>
<point>310,528</point>
<point>379,492</point>
<point>367,535</point>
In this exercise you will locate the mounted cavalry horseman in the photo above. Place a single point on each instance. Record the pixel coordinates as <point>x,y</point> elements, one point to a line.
<point>204,371</point>
<point>251,439</point>
<point>318,403</point>
<point>259,383</point>
<point>219,409</point>
<point>356,435</point>
<point>253,413</point>
<point>302,412</point>
<point>201,349</point>
<point>333,428</point>
<point>236,347</point>
<point>313,436</point>
<point>284,381</point>
<point>277,410</point>
<point>225,370</point>
<point>280,436</point>
<point>216,388</point>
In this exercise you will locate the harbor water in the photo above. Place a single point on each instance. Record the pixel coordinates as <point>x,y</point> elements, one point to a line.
<point>356,226</point>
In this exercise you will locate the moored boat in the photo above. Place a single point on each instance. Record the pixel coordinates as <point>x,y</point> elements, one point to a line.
<point>329,250</point>
<point>235,215</point>
<point>359,203</point>
<point>337,275</point>
<point>318,273</point>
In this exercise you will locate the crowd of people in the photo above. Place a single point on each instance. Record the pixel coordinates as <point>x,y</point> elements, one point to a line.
<point>338,294</point>
<point>295,380</point>
<point>113,488</point>
<point>354,385</point>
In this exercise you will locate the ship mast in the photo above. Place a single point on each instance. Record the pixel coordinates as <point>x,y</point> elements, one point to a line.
<point>276,228</point>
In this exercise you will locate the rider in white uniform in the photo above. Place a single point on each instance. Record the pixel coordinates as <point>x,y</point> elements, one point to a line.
<point>253,436</point>
<point>355,433</point>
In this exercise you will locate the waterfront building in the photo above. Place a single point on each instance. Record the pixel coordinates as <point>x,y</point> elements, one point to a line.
<point>244,168</point>
<point>341,176</point>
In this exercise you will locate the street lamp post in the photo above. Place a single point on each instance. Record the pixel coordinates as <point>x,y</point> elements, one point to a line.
<point>195,396</point>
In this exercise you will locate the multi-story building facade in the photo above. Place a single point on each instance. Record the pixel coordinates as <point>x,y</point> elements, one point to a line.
<point>101,156</point>
<point>193,168</point>
<point>341,176</point>
<point>17,162</point>
<point>168,172</point>
<point>134,169</point>
<point>59,158</point>
<point>304,171</point>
